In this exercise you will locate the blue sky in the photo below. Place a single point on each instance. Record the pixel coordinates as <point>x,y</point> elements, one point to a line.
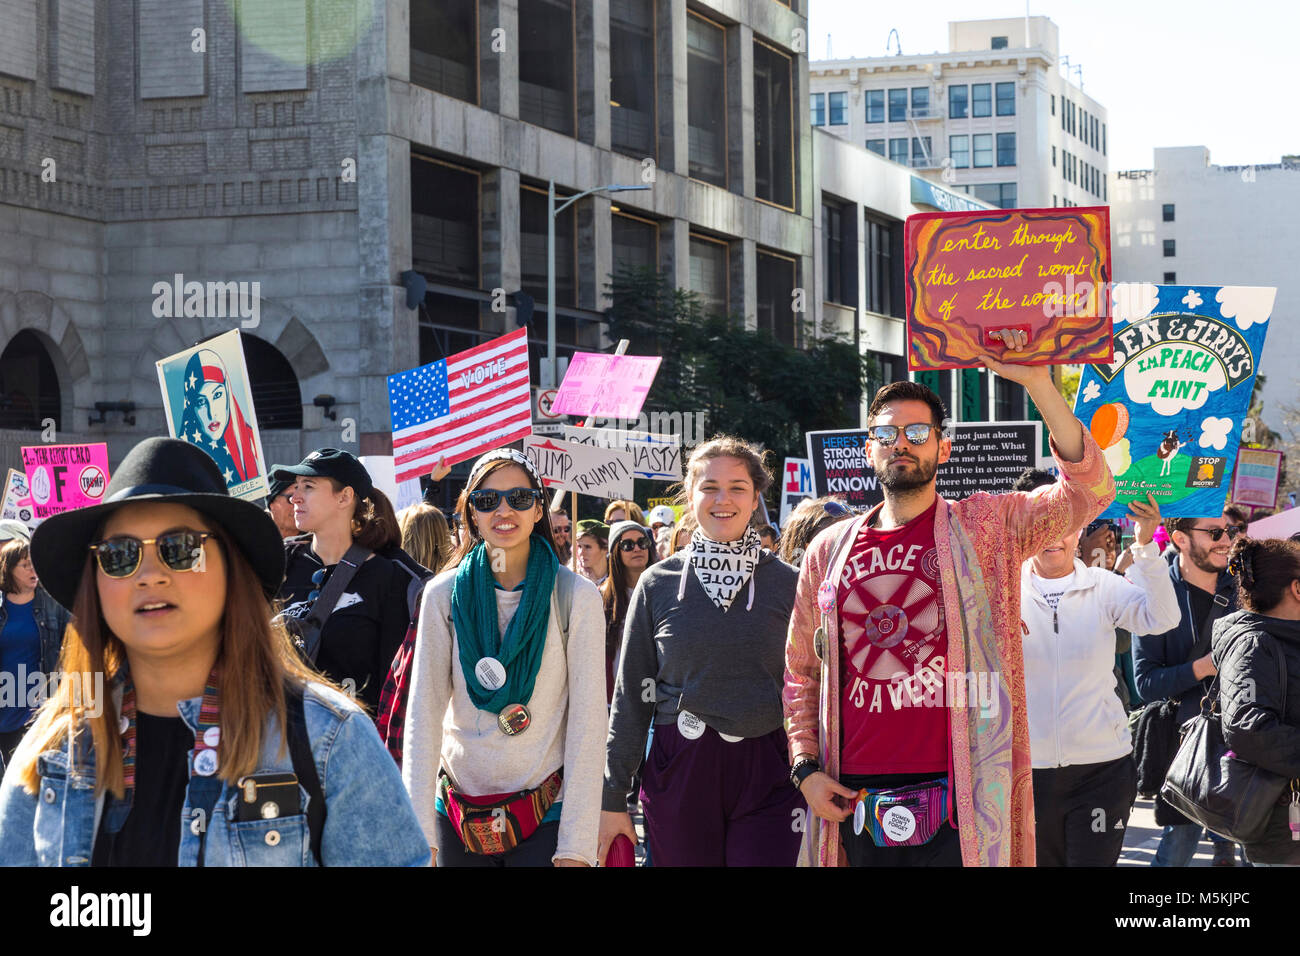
<point>1160,68</point>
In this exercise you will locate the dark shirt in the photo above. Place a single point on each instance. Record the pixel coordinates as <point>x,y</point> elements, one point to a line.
<point>1202,601</point>
<point>20,654</point>
<point>151,835</point>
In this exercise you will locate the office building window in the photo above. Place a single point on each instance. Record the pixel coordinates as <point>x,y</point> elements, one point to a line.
<point>818,102</point>
<point>1053,104</point>
<point>999,43</point>
<point>1006,94</point>
<point>959,151</point>
<point>922,152</point>
<point>1103,189</point>
<point>839,247</point>
<point>983,149</point>
<point>706,108</point>
<point>709,277</point>
<point>1103,139</point>
<point>632,77</point>
<point>444,222</point>
<point>774,302</point>
<point>546,69</point>
<point>1169,248</point>
<point>839,109</point>
<point>876,146</point>
<point>1167,212</point>
<point>1053,156</point>
<point>1002,195</point>
<point>1054,202</point>
<point>1065,117</point>
<point>884,264</point>
<point>1171,278</point>
<point>635,242</point>
<point>897,106</point>
<point>532,248</point>
<point>920,102</point>
<point>981,95</point>
<point>1006,149</point>
<point>773,126</point>
<point>875,106</point>
<point>1096,132</point>
<point>898,150</point>
<point>884,368</point>
<point>444,48</point>
<point>958,101</point>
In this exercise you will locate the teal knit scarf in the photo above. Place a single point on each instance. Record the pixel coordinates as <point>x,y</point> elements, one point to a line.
<point>474,613</point>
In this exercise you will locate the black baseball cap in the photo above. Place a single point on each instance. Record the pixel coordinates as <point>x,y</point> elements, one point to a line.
<point>329,463</point>
<point>275,487</point>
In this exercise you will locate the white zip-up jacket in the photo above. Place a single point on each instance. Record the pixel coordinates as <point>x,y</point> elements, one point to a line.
<point>1075,716</point>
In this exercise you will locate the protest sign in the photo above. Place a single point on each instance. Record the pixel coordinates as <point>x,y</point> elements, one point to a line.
<point>657,457</point>
<point>796,485</point>
<point>610,386</point>
<point>586,469</point>
<point>668,502</point>
<point>17,501</point>
<point>383,475</point>
<point>1041,271</point>
<point>1281,525</point>
<point>64,477</point>
<point>986,456</point>
<point>1254,482</point>
<point>1168,410</point>
<point>209,403</point>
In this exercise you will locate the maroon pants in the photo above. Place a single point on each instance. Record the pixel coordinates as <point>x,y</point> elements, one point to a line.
<point>709,802</point>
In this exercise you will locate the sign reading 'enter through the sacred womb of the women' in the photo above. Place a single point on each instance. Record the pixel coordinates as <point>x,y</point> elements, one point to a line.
<point>1040,271</point>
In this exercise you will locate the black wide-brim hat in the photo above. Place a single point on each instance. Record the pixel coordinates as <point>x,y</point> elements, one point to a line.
<point>164,470</point>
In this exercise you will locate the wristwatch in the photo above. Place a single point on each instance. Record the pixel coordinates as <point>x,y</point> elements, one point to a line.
<point>802,770</point>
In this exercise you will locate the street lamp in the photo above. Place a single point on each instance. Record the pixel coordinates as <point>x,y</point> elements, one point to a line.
<point>550,371</point>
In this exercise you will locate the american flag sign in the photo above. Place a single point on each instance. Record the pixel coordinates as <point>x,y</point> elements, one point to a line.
<point>461,406</point>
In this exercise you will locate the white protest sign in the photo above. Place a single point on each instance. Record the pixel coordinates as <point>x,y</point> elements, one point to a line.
<point>586,469</point>
<point>17,504</point>
<point>658,457</point>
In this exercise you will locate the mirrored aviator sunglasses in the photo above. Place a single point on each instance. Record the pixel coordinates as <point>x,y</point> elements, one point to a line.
<point>519,499</point>
<point>120,556</point>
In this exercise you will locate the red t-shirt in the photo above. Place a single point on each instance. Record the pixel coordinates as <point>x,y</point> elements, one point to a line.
<point>893,649</point>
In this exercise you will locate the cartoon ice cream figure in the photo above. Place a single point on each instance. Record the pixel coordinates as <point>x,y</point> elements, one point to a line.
<point>213,420</point>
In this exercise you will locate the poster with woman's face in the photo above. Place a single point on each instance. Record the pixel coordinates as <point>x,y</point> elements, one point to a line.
<point>209,404</point>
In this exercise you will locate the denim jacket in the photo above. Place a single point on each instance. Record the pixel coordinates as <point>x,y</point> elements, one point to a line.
<point>51,619</point>
<point>369,820</point>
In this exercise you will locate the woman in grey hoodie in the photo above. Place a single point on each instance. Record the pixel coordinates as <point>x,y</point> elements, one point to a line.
<point>703,658</point>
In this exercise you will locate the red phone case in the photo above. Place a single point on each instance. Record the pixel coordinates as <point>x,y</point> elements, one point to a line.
<point>621,852</point>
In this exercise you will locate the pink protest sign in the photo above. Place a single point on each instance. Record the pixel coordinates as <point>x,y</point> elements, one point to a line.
<point>64,477</point>
<point>608,386</point>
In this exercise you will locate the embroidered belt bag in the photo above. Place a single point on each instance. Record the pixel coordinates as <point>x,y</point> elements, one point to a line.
<point>492,825</point>
<point>902,816</point>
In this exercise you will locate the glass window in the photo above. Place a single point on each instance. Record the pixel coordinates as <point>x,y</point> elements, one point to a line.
<point>635,242</point>
<point>885,368</point>
<point>1103,139</point>
<point>444,223</point>
<point>983,149</point>
<point>839,246</point>
<point>546,89</point>
<point>444,48</point>
<point>897,106</point>
<point>818,109</point>
<point>921,151</point>
<point>875,106</point>
<point>709,273</point>
<point>999,43</point>
<point>532,249</point>
<point>1053,104</point>
<point>839,103</point>
<point>981,99</point>
<point>884,263</point>
<point>1002,195</point>
<point>1006,94</point>
<point>632,77</point>
<point>959,151</point>
<point>1053,155</point>
<point>1006,149</point>
<point>773,127</point>
<point>706,107</point>
<point>1169,248</point>
<point>957,101</point>
<point>1171,278</point>
<point>774,302</point>
<point>1167,212</point>
<point>898,150</point>
<point>920,101</point>
<point>876,146</point>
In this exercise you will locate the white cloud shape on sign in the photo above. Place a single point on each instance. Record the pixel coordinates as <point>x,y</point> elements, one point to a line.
<point>1131,301</point>
<point>1247,304</point>
<point>1214,433</point>
<point>1090,392</point>
<point>1154,378</point>
<point>1192,299</point>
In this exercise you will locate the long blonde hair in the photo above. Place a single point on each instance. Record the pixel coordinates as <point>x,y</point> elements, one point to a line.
<point>255,658</point>
<point>424,535</point>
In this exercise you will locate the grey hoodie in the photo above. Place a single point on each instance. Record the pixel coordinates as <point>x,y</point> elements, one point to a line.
<point>725,667</point>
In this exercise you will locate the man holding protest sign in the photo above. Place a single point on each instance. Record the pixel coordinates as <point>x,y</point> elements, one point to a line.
<point>904,687</point>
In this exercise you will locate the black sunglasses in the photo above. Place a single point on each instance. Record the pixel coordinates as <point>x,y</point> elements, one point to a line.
<point>120,556</point>
<point>519,499</point>
<point>1215,534</point>
<point>631,544</point>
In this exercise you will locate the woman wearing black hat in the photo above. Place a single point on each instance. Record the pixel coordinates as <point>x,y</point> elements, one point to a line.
<point>353,618</point>
<point>169,581</point>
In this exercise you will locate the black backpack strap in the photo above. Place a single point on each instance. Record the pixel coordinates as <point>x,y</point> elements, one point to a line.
<point>304,766</point>
<point>329,596</point>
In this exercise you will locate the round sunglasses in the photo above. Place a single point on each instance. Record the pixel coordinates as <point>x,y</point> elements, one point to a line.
<point>632,545</point>
<point>120,556</point>
<point>519,499</point>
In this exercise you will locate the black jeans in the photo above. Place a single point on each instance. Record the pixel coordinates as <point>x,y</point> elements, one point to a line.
<point>1081,812</point>
<point>944,849</point>
<point>537,850</point>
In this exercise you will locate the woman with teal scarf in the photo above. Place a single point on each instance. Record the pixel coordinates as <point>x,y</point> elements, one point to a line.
<point>505,726</point>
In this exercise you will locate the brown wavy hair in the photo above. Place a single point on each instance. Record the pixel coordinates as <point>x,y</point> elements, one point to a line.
<point>424,535</point>
<point>808,520</point>
<point>614,589</point>
<point>724,446</point>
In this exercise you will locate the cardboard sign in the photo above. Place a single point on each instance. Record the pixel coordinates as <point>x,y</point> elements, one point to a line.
<point>209,403</point>
<point>1255,480</point>
<point>17,501</point>
<point>677,509</point>
<point>657,457</point>
<point>1281,525</point>
<point>586,469</point>
<point>64,477</point>
<point>796,485</point>
<point>383,475</point>
<point>610,386</point>
<point>1042,271</point>
<point>986,456</point>
<point>1168,410</point>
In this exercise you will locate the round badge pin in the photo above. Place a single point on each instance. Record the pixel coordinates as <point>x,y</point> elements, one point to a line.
<point>124,724</point>
<point>514,720</point>
<point>205,763</point>
<point>212,736</point>
<point>730,739</point>
<point>690,726</point>
<point>826,597</point>
<point>859,817</point>
<point>490,674</point>
<point>899,823</point>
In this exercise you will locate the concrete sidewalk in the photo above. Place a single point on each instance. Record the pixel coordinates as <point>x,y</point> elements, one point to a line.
<point>1144,836</point>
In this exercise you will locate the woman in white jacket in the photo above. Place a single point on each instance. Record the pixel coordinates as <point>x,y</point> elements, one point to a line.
<point>1085,780</point>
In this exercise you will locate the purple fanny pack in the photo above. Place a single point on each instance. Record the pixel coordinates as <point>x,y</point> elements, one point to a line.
<point>902,816</point>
